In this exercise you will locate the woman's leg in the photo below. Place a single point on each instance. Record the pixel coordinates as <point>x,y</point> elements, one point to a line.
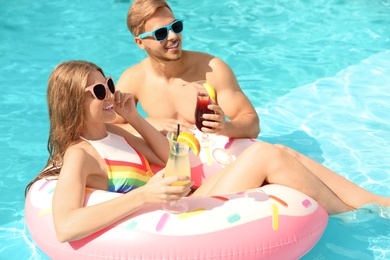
<point>264,163</point>
<point>350,193</point>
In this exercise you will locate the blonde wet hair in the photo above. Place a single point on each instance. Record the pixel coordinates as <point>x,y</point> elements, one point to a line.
<point>65,99</point>
<point>140,11</point>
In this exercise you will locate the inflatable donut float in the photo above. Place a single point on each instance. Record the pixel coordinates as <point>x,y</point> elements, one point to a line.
<point>271,222</point>
<point>213,158</point>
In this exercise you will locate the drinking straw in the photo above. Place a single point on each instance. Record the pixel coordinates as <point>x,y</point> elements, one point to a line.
<point>177,135</point>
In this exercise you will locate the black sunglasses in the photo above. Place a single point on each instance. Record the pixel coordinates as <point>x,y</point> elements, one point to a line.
<point>161,33</point>
<point>99,90</point>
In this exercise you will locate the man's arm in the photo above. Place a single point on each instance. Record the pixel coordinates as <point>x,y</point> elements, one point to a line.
<point>244,121</point>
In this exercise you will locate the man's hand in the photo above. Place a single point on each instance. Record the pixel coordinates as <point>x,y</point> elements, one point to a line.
<point>214,123</point>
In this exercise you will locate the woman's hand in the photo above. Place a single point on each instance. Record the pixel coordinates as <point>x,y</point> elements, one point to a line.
<point>159,189</point>
<point>124,104</point>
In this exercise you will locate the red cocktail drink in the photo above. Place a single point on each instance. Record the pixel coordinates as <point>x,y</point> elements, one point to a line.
<point>201,108</point>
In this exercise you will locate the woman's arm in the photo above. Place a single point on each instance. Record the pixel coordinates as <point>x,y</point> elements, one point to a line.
<point>151,141</point>
<point>72,221</point>
<point>138,143</point>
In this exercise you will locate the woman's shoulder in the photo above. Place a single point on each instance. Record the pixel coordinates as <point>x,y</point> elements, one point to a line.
<point>80,151</point>
<point>81,159</point>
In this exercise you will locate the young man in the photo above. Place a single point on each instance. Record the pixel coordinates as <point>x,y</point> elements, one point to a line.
<point>161,82</point>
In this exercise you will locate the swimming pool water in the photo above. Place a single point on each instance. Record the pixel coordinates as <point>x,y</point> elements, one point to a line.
<point>318,73</point>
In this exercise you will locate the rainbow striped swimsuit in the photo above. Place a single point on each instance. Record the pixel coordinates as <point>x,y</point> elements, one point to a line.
<point>127,169</point>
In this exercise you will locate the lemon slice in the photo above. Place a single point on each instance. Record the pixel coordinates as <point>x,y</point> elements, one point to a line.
<point>189,140</point>
<point>210,90</point>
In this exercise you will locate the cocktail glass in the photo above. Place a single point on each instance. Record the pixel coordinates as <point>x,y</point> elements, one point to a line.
<point>178,165</point>
<point>202,101</point>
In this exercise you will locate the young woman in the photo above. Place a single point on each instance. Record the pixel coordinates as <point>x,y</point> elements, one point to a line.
<point>85,151</point>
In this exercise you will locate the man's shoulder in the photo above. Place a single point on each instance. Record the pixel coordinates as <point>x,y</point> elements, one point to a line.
<point>198,55</point>
<point>135,69</point>
<point>133,74</point>
<point>204,58</point>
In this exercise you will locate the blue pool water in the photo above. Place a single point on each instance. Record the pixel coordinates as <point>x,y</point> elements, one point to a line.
<point>318,73</point>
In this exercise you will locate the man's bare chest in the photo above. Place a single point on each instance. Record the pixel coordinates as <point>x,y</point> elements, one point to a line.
<point>169,102</point>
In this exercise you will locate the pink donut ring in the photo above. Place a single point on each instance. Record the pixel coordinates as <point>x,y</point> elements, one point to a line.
<point>271,222</point>
<point>212,159</point>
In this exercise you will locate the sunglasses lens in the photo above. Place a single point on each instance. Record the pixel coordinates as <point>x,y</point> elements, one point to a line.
<point>111,85</point>
<point>161,34</point>
<point>177,27</point>
<point>100,91</point>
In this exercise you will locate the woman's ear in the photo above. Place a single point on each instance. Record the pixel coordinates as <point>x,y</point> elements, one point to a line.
<point>139,43</point>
